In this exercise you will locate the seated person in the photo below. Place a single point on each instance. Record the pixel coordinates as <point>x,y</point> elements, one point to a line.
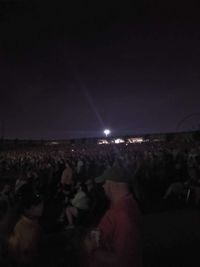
<point>80,203</point>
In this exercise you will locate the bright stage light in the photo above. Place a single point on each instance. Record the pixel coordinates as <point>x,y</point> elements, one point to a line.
<point>107,132</point>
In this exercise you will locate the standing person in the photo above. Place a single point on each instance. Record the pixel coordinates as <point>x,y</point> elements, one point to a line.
<point>67,177</point>
<point>120,233</point>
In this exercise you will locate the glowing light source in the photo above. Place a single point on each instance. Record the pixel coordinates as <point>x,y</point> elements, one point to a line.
<point>54,143</point>
<point>101,142</point>
<point>107,132</point>
<point>118,141</point>
<point>136,140</point>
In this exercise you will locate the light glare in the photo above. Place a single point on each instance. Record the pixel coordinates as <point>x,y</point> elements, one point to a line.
<point>106,132</point>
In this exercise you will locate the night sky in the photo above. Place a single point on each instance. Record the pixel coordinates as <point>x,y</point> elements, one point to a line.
<point>70,71</point>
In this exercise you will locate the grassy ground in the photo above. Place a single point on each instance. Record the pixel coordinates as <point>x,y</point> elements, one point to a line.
<point>172,238</point>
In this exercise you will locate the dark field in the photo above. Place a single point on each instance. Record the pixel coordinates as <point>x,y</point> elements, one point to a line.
<point>172,238</point>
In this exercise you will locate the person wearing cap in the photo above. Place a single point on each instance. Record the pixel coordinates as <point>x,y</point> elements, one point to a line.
<point>120,231</point>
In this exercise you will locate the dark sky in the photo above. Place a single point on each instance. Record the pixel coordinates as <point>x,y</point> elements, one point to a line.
<point>72,70</point>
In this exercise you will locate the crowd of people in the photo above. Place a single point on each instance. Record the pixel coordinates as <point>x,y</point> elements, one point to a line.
<point>81,205</point>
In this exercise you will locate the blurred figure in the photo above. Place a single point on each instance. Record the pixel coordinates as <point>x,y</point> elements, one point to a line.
<point>7,196</point>
<point>67,177</point>
<point>24,240</point>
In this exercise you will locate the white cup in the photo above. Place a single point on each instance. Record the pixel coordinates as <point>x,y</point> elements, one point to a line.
<point>96,235</point>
